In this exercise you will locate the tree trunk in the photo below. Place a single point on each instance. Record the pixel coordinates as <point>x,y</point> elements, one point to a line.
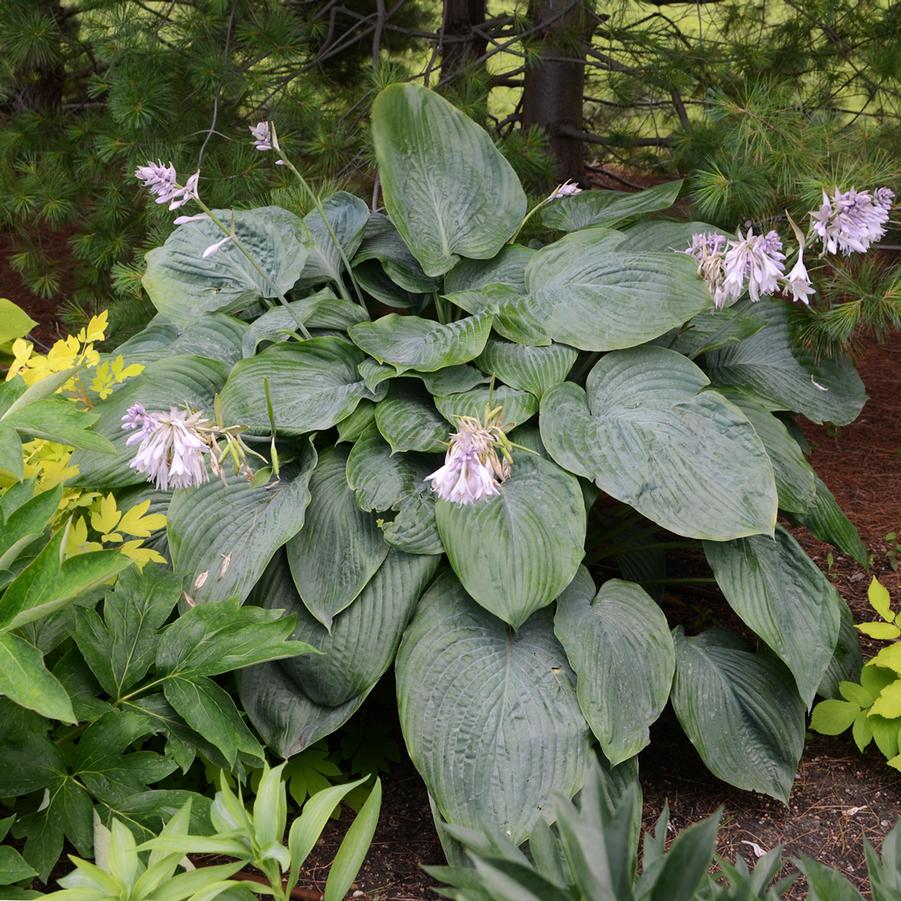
<point>552,97</point>
<point>460,44</point>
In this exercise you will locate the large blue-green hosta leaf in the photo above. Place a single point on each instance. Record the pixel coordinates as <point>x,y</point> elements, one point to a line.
<point>490,718</point>
<point>619,644</point>
<point>516,551</point>
<point>740,710</point>
<point>532,369</point>
<point>447,188</point>
<point>766,366</point>
<point>340,548</point>
<point>170,382</point>
<point>294,704</point>
<point>607,207</point>
<point>826,521</point>
<point>313,385</point>
<point>215,336</point>
<point>784,597</point>
<point>645,430</point>
<point>383,242</point>
<point>222,534</point>
<point>183,285</point>
<point>409,342</point>
<point>347,215</point>
<point>592,291</point>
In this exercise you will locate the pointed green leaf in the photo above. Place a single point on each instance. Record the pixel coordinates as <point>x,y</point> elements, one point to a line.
<point>607,207</point>
<point>447,188</point>
<point>532,369</point>
<point>25,680</point>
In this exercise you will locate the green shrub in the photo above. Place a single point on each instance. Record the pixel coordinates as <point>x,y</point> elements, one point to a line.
<point>600,411</point>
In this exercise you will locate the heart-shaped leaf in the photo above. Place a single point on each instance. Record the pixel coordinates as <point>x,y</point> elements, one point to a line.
<point>516,551</point>
<point>647,432</point>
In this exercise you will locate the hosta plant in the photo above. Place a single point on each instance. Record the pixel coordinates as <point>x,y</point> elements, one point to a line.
<point>472,459</point>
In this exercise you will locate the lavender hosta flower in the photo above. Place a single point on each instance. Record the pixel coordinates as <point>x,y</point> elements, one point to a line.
<point>162,182</point>
<point>755,259</point>
<point>184,220</point>
<point>214,247</point>
<point>568,189</point>
<point>850,221</point>
<point>262,136</point>
<point>797,282</point>
<point>172,447</point>
<point>708,248</point>
<point>472,469</point>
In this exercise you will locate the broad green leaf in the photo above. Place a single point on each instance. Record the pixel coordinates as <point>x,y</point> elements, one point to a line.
<point>321,310</point>
<point>607,207</point>
<point>619,645</point>
<point>340,548</point>
<point>826,521</point>
<point>212,639</point>
<point>518,316</point>
<point>516,551</point>
<point>363,639</point>
<point>447,188</point>
<point>184,286</point>
<point>740,710</point>
<point>252,523</point>
<point>49,582</point>
<point>784,598</point>
<point>26,523</point>
<point>209,710</point>
<point>408,342</point>
<point>408,420</point>
<point>313,386</point>
<point>354,847</point>
<point>507,268</point>
<point>358,423</point>
<point>347,215</point>
<point>593,292</point>
<point>11,461</point>
<point>833,717</point>
<point>120,647</point>
<point>767,366</point>
<point>532,369</point>
<point>171,382</point>
<point>374,280</point>
<point>667,235</point>
<point>14,323</point>
<point>452,380</point>
<point>215,336</point>
<point>414,528</point>
<point>795,479</point>
<point>519,406</point>
<point>57,419</point>
<point>25,680</point>
<point>13,867</point>
<point>491,765</point>
<point>647,433</point>
<point>383,242</point>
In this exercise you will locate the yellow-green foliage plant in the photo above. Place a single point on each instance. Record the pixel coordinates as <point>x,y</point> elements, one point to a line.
<point>871,708</point>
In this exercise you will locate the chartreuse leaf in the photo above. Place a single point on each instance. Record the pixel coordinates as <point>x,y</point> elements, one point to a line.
<point>25,680</point>
<point>184,286</point>
<point>314,693</point>
<point>784,597</point>
<point>453,652</point>
<point>25,523</point>
<point>516,551</point>
<point>645,430</point>
<point>14,323</point>
<point>313,385</point>
<point>607,207</point>
<point>765,365</point>
<point>532,369</point>
<point>878,596</point>
<point>740,710</point>
<point>340,548</point>
<point>408,342</point>
<point>888,704</point>
<point>832,717</point>
<point>49,582</point>
<point>618,643</point>
<point>252,523</point>
<point>447,188</point>
<point>170,382</point>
